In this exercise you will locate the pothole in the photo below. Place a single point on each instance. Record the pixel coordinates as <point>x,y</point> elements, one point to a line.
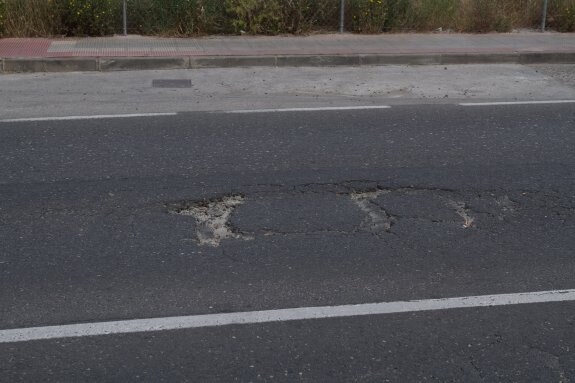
<point>462,211</point>
<point>378,220</point>
<point>383,212</point>
<point>212,219</point>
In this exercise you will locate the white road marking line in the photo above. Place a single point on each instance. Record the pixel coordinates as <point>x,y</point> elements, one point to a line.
<point>518,103</point>
<point>96,117</point>
<point>304,313</point>
<point>318,109</point>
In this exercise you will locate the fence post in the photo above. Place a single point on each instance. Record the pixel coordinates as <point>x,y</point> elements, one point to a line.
<point>125,17</point>
<point>544,17</point>
<point>342,17</point>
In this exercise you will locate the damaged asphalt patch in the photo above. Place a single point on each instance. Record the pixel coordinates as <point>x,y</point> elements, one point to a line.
<point>342,209</point>
<point>298,212</point>
<point>435,206</point>
<point>462,210</point>
<point>212,226</point>
<point>377,219</point>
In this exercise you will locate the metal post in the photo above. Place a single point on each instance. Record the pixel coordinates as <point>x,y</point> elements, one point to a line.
<point>125,13</point>
<point>342,17</point>
<point>544,18</point>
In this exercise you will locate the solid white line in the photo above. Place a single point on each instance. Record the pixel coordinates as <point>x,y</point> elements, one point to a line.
<point>96,117</point>
<point>518,103</point>
<point>305,313</point>
<point>318,109</point>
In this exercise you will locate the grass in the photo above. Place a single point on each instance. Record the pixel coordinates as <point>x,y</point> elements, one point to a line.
<point>26,18</point>
<point>33,18</point>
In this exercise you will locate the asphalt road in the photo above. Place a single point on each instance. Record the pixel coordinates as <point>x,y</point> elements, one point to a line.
<point>203,213</point>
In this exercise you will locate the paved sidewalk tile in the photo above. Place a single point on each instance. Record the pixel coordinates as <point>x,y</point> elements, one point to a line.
<point>329,44</point>
<point>140,53</point>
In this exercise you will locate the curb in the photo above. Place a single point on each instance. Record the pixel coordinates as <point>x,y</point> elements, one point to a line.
<point>112,64</point>
<point>49,65</point>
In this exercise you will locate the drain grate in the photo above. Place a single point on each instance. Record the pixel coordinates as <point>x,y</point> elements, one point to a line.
<point>171,83</point>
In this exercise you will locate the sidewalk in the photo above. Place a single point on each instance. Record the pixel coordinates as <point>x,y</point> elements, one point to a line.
<point>134,52</point>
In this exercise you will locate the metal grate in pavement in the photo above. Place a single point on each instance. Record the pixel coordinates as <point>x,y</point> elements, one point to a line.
<point>171,83</point>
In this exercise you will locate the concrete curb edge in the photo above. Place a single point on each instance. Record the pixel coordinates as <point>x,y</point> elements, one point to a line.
<point>110,64</point>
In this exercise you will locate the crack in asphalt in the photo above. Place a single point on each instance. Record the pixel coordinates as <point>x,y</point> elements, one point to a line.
<point>476,369</point>
<point>552,361</point>
<point>268,233</point>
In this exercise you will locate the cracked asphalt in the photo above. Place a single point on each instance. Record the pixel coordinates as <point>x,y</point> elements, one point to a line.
<point>204,213</point>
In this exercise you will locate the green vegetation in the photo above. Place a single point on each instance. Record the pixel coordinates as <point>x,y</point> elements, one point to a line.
<point>255,16</point>
<point>94,17</point>
<point>22,18</point>
<point>176,17</point>
<point>2,16</point>
<point>562,15</point>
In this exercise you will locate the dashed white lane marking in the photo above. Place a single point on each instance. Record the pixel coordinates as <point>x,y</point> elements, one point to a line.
<point>304,313</point>
<point>518,103</point>
<point>96,117</point>
<point>319,109</point>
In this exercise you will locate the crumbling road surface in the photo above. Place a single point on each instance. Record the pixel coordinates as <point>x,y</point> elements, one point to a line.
<point>412,243</point>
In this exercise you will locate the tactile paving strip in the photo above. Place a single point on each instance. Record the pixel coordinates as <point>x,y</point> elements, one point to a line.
<point>127,47</point>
